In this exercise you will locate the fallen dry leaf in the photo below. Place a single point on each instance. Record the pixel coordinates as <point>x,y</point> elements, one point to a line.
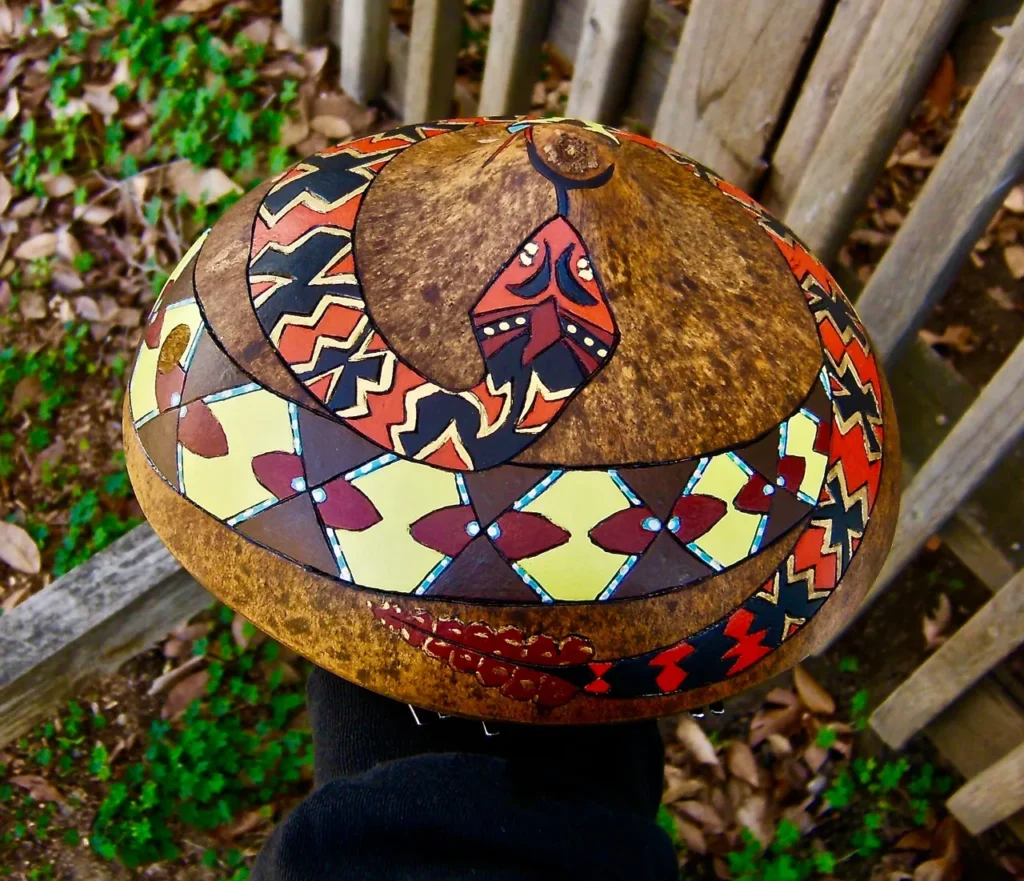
<point>691,835</point>
<point>814,695</point>
<point>314,60</point>
<point>171,677</point>
<point>753,815</point>
<point>33,306</point>
<point>176,648</point>
<point>49,456</point>
<point>102,100</point>
<point>201,186</point>
<point>1014,200</point>
<point>6,192</point>
<point>768,722</point>
<point>1002,298</point>
<point>27,391</point>
<point>186,691</point>
<point>191,632</point>
<point>17,549</point>
<point>39,246</point>
<point>704,814</point>
<point>740,761</point>
<point>1012,254</point>
<point>87,308</point>
<point>678,785</point>
<point>780,745</point>
<point>247,822</point>
<point>331,127</point>
<point>38,787</point>
<point>936,870</point>
<point>198,6</point>
<point>915,839</point>
<point>96,215</point>
<point>934,626</point>
<point>59,185</point>
<point>690,735</point>
<point>942,87</point>
<point>13,599</point>
<point>815,756</point>
<point>958,337</point>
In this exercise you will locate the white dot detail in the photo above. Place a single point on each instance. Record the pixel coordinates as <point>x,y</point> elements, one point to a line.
<point>602,353</point>
<point>526,259</point>
<point>472,528</point>
<point>768,489</point>
<point>588,341</point>
<point>520,321</point>
<point>489,331</point>
<point>175,399</point>
<point>571,328</point>
<point>298,484</point>
<point>531,248</point>
<point>319,495</point>
<point>504,326</point>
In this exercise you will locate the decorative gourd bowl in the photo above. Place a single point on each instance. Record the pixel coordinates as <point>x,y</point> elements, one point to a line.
<point>522,419</point>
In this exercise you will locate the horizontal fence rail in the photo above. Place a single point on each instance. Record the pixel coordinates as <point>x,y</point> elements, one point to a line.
<point>90,621</point>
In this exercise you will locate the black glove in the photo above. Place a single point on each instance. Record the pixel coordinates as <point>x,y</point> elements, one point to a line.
<point>443,800</point>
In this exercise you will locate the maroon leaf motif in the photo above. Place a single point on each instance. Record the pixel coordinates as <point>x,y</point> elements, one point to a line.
<point>494,655</point>
<point>280,472</point>
<point>822,437</point>
<point>753,499</point>
<point>153,331</point>
<point>444,530</point>
<point>168,388</point>
<point>791,472</point>
<point>342,506</point>
<point>697,513</point>
<point>525,535</point>
<point>624,533</point>
<point>200,432</point>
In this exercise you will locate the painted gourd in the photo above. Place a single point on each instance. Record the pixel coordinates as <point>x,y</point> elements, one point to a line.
<point>524,419</point>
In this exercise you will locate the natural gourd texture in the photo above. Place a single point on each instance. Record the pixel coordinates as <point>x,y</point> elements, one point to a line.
<point>539,402</point>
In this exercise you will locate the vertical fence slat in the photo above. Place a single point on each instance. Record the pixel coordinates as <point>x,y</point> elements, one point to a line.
<point>992,424</point>
<point>979,165</point>
<point>994,631</point>
<point>518,28</point>
<point>899,53</point>
<point>819,92</point>
<point>607,51</point>
<point>364,48</point>
<point>995,794</point>
<point>305,20</point>
<point>730,76</point>
<point>433,49</point>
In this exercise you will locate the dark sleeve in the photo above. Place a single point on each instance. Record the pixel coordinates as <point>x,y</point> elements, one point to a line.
<point>443,801</point>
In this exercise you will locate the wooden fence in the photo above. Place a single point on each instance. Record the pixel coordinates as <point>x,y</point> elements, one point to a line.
<point>804,109</point>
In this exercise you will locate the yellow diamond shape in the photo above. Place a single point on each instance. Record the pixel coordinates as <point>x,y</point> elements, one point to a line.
<point>577,501</point>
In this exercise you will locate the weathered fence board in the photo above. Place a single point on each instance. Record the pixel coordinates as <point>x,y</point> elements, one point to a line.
<point>994,631</point>
<point>984,159</point>
<point>898,55</point>
<point>995,794</point>
<point>89,621</point>
<point>305,20</point>
<point>612,30</point>
<point>978,730</point>
<point>730,77</point>
<point>433,51</point>
<point>513,56</point>
<point>930,398</point>
<point>364,48</point>
<point>819,92</point>
<point>989,428</point>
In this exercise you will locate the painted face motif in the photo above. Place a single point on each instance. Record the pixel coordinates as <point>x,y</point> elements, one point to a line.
<point>547,312</point>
